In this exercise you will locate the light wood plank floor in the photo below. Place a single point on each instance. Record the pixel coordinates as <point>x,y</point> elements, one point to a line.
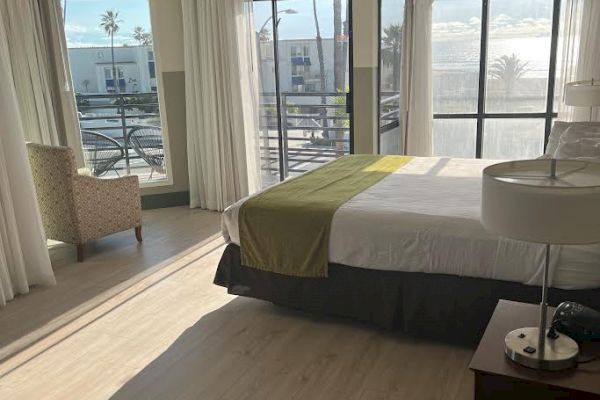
<point>146,322</point>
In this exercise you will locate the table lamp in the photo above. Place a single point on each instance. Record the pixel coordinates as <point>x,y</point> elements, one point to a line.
<point>550,202</point>
<point>583,94</point>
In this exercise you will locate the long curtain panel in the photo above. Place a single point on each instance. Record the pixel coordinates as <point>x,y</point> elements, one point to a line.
<point>221,82</point>
<point>416,95</point>
<point>40,72</point>
<point>24,259</point>
<point>578,53</point>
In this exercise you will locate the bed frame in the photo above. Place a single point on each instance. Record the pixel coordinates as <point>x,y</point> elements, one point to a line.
<point>443,307</point>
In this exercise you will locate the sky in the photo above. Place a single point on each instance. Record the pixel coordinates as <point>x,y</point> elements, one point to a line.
<point>453,19</point>
<point>83,21</point>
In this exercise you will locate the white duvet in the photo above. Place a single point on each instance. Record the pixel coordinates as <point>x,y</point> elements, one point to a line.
<point>425,217</point>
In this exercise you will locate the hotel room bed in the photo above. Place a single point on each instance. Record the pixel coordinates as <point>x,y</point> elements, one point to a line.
<point>410,252</point>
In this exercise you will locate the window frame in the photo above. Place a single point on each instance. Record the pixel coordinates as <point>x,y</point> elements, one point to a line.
<point>481,115</point>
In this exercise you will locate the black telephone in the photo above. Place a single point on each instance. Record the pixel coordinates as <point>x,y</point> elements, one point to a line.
<point>577,321</point>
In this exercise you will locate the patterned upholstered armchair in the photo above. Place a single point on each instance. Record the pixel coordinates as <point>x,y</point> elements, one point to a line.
<point>78,208</point>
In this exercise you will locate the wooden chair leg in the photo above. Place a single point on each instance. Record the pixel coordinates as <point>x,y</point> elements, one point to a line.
<point>79,253</point>
<point>138,233</point>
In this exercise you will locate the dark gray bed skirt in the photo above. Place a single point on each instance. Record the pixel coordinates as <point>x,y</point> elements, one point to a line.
<point>443,307</point>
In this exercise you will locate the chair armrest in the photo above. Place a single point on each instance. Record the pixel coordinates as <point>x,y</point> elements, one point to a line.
<point>106,206</point>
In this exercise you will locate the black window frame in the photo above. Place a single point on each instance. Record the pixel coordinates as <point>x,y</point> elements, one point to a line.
<point>282,144</point>
<point>481,115</point>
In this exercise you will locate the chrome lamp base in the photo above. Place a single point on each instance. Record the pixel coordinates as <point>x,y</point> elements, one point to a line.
<point>521,346</point>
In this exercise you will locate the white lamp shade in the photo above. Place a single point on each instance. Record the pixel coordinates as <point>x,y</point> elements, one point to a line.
<point>582,94</point>
<point>521,201</point>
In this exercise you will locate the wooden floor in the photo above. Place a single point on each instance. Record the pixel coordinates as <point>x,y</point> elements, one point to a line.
<point>146,322</point>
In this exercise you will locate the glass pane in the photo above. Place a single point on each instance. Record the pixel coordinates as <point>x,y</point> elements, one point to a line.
<point>518,55</point>
<point>313,78</point>
<point>454,137</point>
<point>392,23</point>
<point>117,100</point>
<point>268,121</point>
<point>513,139</point>
<point>456,43</point>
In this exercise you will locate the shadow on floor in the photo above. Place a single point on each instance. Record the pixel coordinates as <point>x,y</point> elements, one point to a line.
<point>112,264</point>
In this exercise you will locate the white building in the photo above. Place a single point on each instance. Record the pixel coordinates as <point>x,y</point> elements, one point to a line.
<point>91,69</point>
<point>298,66</point>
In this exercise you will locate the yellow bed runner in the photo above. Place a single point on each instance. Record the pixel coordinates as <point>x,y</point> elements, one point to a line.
<point>286,228</point>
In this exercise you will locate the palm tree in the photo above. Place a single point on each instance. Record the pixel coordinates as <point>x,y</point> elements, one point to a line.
<point>264,35</point>
<point>138,34</point>
<point>508,69</point>
<point>109,21</point>
<point>324,121</point>
<point>338,47</point>
<point>390,51</point>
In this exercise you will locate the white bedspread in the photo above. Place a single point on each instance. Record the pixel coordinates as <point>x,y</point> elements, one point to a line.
<point>425,217</point>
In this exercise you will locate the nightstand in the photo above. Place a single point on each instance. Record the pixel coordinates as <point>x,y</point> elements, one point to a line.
<point>497,377</point>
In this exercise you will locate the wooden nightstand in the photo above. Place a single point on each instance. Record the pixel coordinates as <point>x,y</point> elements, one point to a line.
<point>497,377</point>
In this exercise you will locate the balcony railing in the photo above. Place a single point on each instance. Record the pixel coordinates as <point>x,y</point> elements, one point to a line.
<point>315,129</point>
<point>107,122</point>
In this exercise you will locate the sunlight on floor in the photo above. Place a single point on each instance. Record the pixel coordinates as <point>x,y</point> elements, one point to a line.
<point>113,341</point>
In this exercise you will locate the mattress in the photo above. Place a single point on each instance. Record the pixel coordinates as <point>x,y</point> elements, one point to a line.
<point>425,217</point>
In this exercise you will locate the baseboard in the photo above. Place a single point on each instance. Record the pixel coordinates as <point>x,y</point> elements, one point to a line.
<point>163,200</point>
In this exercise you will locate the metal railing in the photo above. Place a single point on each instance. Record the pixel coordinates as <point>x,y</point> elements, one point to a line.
<point>315,129</point>
<point>115,115</point>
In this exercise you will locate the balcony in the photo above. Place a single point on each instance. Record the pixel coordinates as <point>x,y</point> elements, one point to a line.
<point>315,129</point>
<point>121,135</point>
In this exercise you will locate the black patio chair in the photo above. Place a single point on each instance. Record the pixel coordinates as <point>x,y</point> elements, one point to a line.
<point>147,142</point>
<point>101,152</point>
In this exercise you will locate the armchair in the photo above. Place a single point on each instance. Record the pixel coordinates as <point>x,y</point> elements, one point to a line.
<point>77,208</point>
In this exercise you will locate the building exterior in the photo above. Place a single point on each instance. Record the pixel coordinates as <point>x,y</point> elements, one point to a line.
<point>298,66</point>
<point>91,69</point>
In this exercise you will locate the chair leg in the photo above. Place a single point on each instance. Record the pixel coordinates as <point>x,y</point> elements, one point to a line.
<point>138,233</point>
<point>79,253</point>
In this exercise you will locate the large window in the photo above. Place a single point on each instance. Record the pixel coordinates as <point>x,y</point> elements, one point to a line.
<point>114,75</point>
<point>390,77</point>
<point>493,76</point>
<point>304,51</point>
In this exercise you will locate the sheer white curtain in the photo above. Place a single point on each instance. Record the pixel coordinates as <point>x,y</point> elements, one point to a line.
<point>417,92</point>
<point>24,258</point>
<point>40,73</point>
<point>579,53</point>
<point>221,83</point>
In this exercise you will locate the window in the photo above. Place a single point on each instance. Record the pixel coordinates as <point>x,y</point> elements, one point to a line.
<point>119,116</point>
<point>390,67</point>
<point>493,65</point>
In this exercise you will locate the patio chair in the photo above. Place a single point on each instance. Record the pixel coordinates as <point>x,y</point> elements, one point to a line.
<point>147,142</point>
<point>101,152</point>
<point>77,208</point>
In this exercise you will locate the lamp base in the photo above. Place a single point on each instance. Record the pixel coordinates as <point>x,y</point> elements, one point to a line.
<point>521,346</point>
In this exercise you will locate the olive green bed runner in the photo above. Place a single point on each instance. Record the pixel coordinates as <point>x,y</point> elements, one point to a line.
<point>286,228</point>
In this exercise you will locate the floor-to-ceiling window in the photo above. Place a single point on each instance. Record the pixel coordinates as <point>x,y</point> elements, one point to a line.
<point>493,76</point>
<point>391,24</point>
<point>304,49</point>
<point>493,69</point>
<point>113,70</point>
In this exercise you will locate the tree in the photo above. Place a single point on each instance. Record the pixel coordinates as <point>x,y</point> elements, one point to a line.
<point>324,121</point>
<point>508,69</point>
<point>390,51</point>
<point>141,36</point>
<point>85,83</point>
<point>109,21</point>
<point>338,68</point>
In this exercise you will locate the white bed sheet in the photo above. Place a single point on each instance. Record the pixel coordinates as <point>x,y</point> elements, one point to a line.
<point>425,217</point>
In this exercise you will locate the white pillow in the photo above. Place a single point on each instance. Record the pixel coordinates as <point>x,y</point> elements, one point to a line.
<point>558,129</point>
<point>580,140</point>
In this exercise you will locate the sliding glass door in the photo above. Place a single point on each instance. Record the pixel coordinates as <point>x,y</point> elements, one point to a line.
<point>304,49</point>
